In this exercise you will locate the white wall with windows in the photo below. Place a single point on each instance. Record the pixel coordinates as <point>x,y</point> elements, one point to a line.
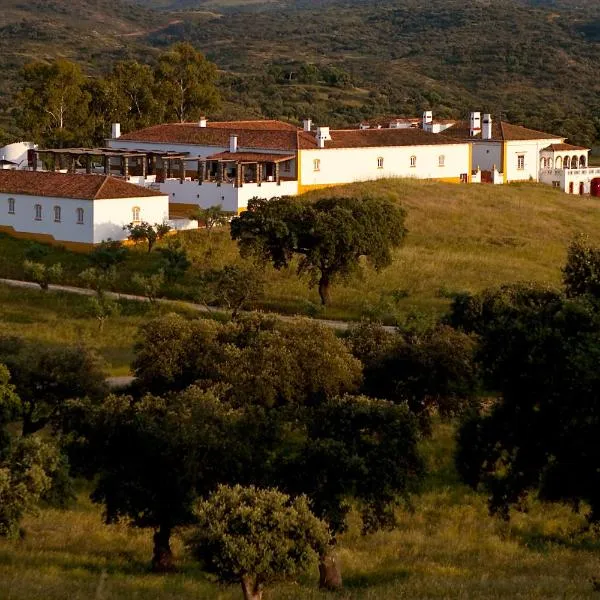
<point>111,215</point>
<point>56,217</point>
<point>78,221</point>
<point>346,165</point>
<point>523,159</point>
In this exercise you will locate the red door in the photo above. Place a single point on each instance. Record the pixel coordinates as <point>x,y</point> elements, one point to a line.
<point>581,189</point>
<point>571,187</point>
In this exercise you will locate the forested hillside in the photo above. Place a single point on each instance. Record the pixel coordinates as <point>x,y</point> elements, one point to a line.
<point>339,61</point>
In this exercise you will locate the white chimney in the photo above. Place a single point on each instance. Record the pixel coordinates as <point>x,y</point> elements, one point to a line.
<point>322,136</point>
<point>233,143</point>
<point>116,131</point>
<point>202,122</point>
<point>486,132</point>
<point>427,118</point>
<point>307,124</point>
<point>475,124</point>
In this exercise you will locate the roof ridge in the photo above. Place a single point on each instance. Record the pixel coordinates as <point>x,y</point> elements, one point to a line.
<point>106,177</point>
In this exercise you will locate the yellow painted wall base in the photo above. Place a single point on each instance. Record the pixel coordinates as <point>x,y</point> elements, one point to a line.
<point>302,189</point>
<point>46,238</point>
<point>447,179</point>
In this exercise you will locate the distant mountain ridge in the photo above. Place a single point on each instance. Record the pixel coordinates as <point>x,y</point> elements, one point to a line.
<point>529,61</point>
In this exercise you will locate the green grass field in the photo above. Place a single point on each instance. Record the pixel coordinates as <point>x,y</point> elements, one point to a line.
<point>461,238</point>
<point>57,318</point>
<point>446,547</point>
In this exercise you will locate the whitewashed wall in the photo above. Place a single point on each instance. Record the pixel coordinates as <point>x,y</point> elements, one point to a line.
<point>232,199</point>
<point>530,149</point>
<point>347,165</point>
<point>111,215</point>
<point>68,230</point>
<point>102,219</point>
<point>486,155</point>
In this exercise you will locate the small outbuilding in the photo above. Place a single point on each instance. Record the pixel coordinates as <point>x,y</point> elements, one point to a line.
<point>74,210</point>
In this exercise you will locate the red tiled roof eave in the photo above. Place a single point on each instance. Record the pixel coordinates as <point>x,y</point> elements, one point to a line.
<point>69,185</point>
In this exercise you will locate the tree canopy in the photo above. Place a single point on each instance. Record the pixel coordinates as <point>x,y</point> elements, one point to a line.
<point>253,537</point>
<point>329,236</point>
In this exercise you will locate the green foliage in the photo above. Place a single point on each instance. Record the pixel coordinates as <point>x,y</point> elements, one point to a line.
<point>257,360</point>
<point>186,82</point>
<point>53,102</point>
<point>175,261</point>
<point>144,232</point>
<point>151,457</point>
<point>330,235</point>
<point>233,286</point>
<point>581,274</point>
<point>108,255</point>
<point>26,464</point>
<point>149,285</point>
<point>539,351</point>
<point>356,448</point>
<point>431,371</point>
<point>25,474</point>
<point>46,377</point>
<point>254,537</point>
<point>211,217</point>
<point>43,274</point>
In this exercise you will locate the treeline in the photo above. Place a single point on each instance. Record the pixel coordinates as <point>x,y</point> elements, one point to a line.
<point>59,105</point>
<point>254,438</point>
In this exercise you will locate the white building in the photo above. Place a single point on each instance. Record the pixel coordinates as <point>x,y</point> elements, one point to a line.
<point>510,153</point>
<point>74,210</point>
<point>228,163</point>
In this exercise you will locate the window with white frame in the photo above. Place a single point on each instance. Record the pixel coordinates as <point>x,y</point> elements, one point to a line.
<point>441,160</point>
<point>11,206</point>
<point>520,162</point>
<point>316,164</point>
<point>38,212</point>
<point>413,161</point>
<point>80,216</point>
<point>57,214</point>
<point>380,162</point>
<point>135,213</point>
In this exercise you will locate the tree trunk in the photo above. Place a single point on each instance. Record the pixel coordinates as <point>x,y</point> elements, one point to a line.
<point>330,572</point>
<point>324,289</point>
<point>251,588</point>
<point>162,557</point>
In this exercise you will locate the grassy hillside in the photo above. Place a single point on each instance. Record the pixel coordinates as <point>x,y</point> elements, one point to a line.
<point>461,238</point>
<point>447,547</point>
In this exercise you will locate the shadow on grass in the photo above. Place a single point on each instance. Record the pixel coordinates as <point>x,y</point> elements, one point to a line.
<point>379,577</point>
<point>543,543</point>
<point>122,563</point>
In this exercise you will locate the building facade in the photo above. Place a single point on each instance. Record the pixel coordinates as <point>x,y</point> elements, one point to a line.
<point>74,210</point>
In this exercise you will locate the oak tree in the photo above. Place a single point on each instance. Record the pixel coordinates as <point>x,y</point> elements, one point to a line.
<point>329,237</point>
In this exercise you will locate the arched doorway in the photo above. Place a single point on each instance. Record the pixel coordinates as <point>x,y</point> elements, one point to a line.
<point>582,162</point>
<point>558,162</point>
<point>567,162</point>
<point>574,162</point>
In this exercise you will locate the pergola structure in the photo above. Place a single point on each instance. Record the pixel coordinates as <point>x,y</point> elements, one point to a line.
<point>224,167</point>
<point>242,167</point>
<point>143,162</point>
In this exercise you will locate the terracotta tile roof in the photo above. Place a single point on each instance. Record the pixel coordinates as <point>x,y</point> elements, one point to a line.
<point>251,157</point>
<point>563,148</point>
<point>501,131</point>
<point>373,138</point>
<point>274,135</point>
<point>66,185</point>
